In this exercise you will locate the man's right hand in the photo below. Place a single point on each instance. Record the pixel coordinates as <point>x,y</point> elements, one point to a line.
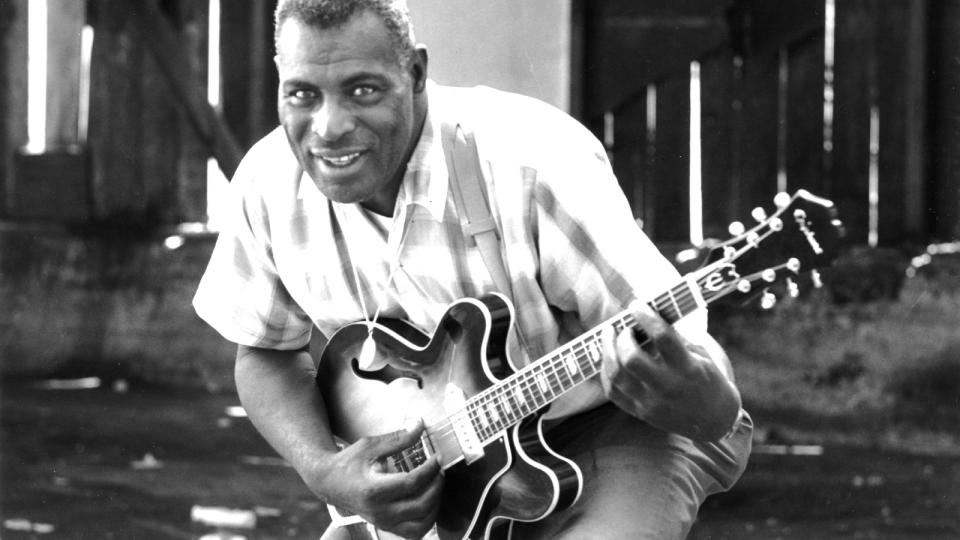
<point>358,479</point>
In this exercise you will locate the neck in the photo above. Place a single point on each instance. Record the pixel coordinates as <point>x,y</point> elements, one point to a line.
<point>383,203</point>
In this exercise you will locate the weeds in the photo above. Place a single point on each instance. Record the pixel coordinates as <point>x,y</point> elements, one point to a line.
<point>873,364</point>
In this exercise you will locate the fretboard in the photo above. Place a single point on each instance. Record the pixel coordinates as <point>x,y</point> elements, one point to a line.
<point>546,379</point>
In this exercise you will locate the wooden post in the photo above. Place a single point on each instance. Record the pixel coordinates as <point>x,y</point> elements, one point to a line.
<point>778,126</point>
<point>13,92</point>
<point>721,191</point>
<point>248,72</point>
<point>854,77</point>
<point>671,165</point>
<point>901,87</point>
<point>804,121</point>
<point>756,125</point>
<point>628,151</point>
<point>151,128</point>
<point>116,138</point>
<point>945,199</point>
<point>65,23</point>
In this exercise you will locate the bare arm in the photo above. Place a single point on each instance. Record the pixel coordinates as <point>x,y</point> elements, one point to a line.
<point>278,391</point>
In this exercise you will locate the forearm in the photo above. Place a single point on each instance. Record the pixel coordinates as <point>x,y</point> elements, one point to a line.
<point>278,391</point>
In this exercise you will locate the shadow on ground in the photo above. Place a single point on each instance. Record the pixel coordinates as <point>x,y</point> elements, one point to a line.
<point>118,462</point>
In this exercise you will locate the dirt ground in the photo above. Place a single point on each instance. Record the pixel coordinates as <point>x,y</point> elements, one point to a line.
<point>124,462</point>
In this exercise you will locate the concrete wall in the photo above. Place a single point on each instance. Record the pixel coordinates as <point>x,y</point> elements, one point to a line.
<point>518,46</point>
<point>81,303</point>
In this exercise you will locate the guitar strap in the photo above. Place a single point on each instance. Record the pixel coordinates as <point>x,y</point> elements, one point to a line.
<point>470,196</point>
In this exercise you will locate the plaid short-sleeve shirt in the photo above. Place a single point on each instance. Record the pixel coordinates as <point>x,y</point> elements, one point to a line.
<point>286,260</point>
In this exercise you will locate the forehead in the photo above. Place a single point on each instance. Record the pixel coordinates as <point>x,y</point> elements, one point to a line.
<point>362,40</point>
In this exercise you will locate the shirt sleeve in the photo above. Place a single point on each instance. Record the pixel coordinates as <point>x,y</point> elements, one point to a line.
<point>241,294</point>
<point>595,259</point>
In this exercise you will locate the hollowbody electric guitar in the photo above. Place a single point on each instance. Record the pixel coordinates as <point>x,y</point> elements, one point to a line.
<point>483,413</point>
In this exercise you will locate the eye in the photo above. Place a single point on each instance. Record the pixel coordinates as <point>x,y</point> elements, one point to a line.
<point>300,97</point>
<point>364,92</point>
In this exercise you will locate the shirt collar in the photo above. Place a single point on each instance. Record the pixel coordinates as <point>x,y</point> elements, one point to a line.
<point>426,181</point>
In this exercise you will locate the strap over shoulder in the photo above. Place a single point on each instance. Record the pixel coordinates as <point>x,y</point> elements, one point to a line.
<point>473,204</point>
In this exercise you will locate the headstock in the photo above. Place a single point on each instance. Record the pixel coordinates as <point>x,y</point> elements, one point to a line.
<point>786,247</point>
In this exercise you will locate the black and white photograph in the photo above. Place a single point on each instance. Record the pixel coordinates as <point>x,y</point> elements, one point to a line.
<point>480,269</point>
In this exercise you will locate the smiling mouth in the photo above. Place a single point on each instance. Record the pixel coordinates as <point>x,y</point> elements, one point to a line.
<point>339,162</point>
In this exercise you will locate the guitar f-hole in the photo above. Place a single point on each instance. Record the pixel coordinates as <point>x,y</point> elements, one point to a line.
<point>387,374</point>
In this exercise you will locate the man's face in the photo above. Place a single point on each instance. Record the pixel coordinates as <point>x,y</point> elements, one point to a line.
<point>351,112</point>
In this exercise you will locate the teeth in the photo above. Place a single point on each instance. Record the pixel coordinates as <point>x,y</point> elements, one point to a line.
<point>342,161</point>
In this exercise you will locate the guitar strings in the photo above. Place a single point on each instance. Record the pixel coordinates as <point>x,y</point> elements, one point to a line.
<point>503,399</point>
<point>556,371</point>
<point>518,392</point>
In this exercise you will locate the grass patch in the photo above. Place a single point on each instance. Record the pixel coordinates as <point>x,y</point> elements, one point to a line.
<point>868,369</point>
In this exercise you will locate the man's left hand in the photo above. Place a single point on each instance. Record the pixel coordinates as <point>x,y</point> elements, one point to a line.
<point>667,381</point>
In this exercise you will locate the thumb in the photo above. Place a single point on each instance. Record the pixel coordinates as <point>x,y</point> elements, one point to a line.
<point>388,444</point>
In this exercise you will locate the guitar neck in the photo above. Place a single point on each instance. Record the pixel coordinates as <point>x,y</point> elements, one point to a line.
<point>506,403</point>
<point>546,379</point>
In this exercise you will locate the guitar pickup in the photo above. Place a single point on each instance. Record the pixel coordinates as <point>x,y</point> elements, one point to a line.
<point>454,402</point>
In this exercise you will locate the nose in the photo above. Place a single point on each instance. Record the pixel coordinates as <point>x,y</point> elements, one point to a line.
<point>332,120</point>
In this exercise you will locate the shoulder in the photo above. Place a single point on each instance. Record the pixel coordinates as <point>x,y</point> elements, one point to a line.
<point>509,121</point>
<point>269,167</point>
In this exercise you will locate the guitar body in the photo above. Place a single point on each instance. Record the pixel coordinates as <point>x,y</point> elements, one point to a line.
<point>519,478</point>
<point>483,416</point>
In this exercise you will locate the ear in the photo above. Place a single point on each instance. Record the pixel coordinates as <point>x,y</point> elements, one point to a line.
<point>418,68</point>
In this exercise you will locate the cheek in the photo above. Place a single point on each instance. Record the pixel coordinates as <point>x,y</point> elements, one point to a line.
<point>394,130</point>
<point>295,124</point>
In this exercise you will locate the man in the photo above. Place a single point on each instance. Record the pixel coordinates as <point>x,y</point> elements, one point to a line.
<point>346,214</point>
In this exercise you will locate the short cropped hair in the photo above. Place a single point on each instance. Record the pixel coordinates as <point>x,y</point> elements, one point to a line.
<point>326,14</point>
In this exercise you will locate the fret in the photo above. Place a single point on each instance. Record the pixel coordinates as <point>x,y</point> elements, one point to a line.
<point>676,306</point>
<point>506,411</point>
<point>595,353</point>
<point>583,360</point>
<point>522,399</point>
<point>482,414</point>
<point>409,458</point>
<point>534,387</point>
<point>481,427</point>
<point>523,386</point>
<point>542,383</point>
<point>553,378</point>
<point>511,402</point>
<point>492,406</point>
<point>563,375</point>
<point>571,364</point>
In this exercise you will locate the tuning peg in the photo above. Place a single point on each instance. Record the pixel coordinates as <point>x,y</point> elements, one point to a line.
<point>744,286</point>
<point>769,275</point>
<point>782,199</point>
<point>815,278</point>
<point>792,288</point>
<point>759,214</point>
<point>793,265</point>
<point>768,300</point>
<point>736,228</point>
